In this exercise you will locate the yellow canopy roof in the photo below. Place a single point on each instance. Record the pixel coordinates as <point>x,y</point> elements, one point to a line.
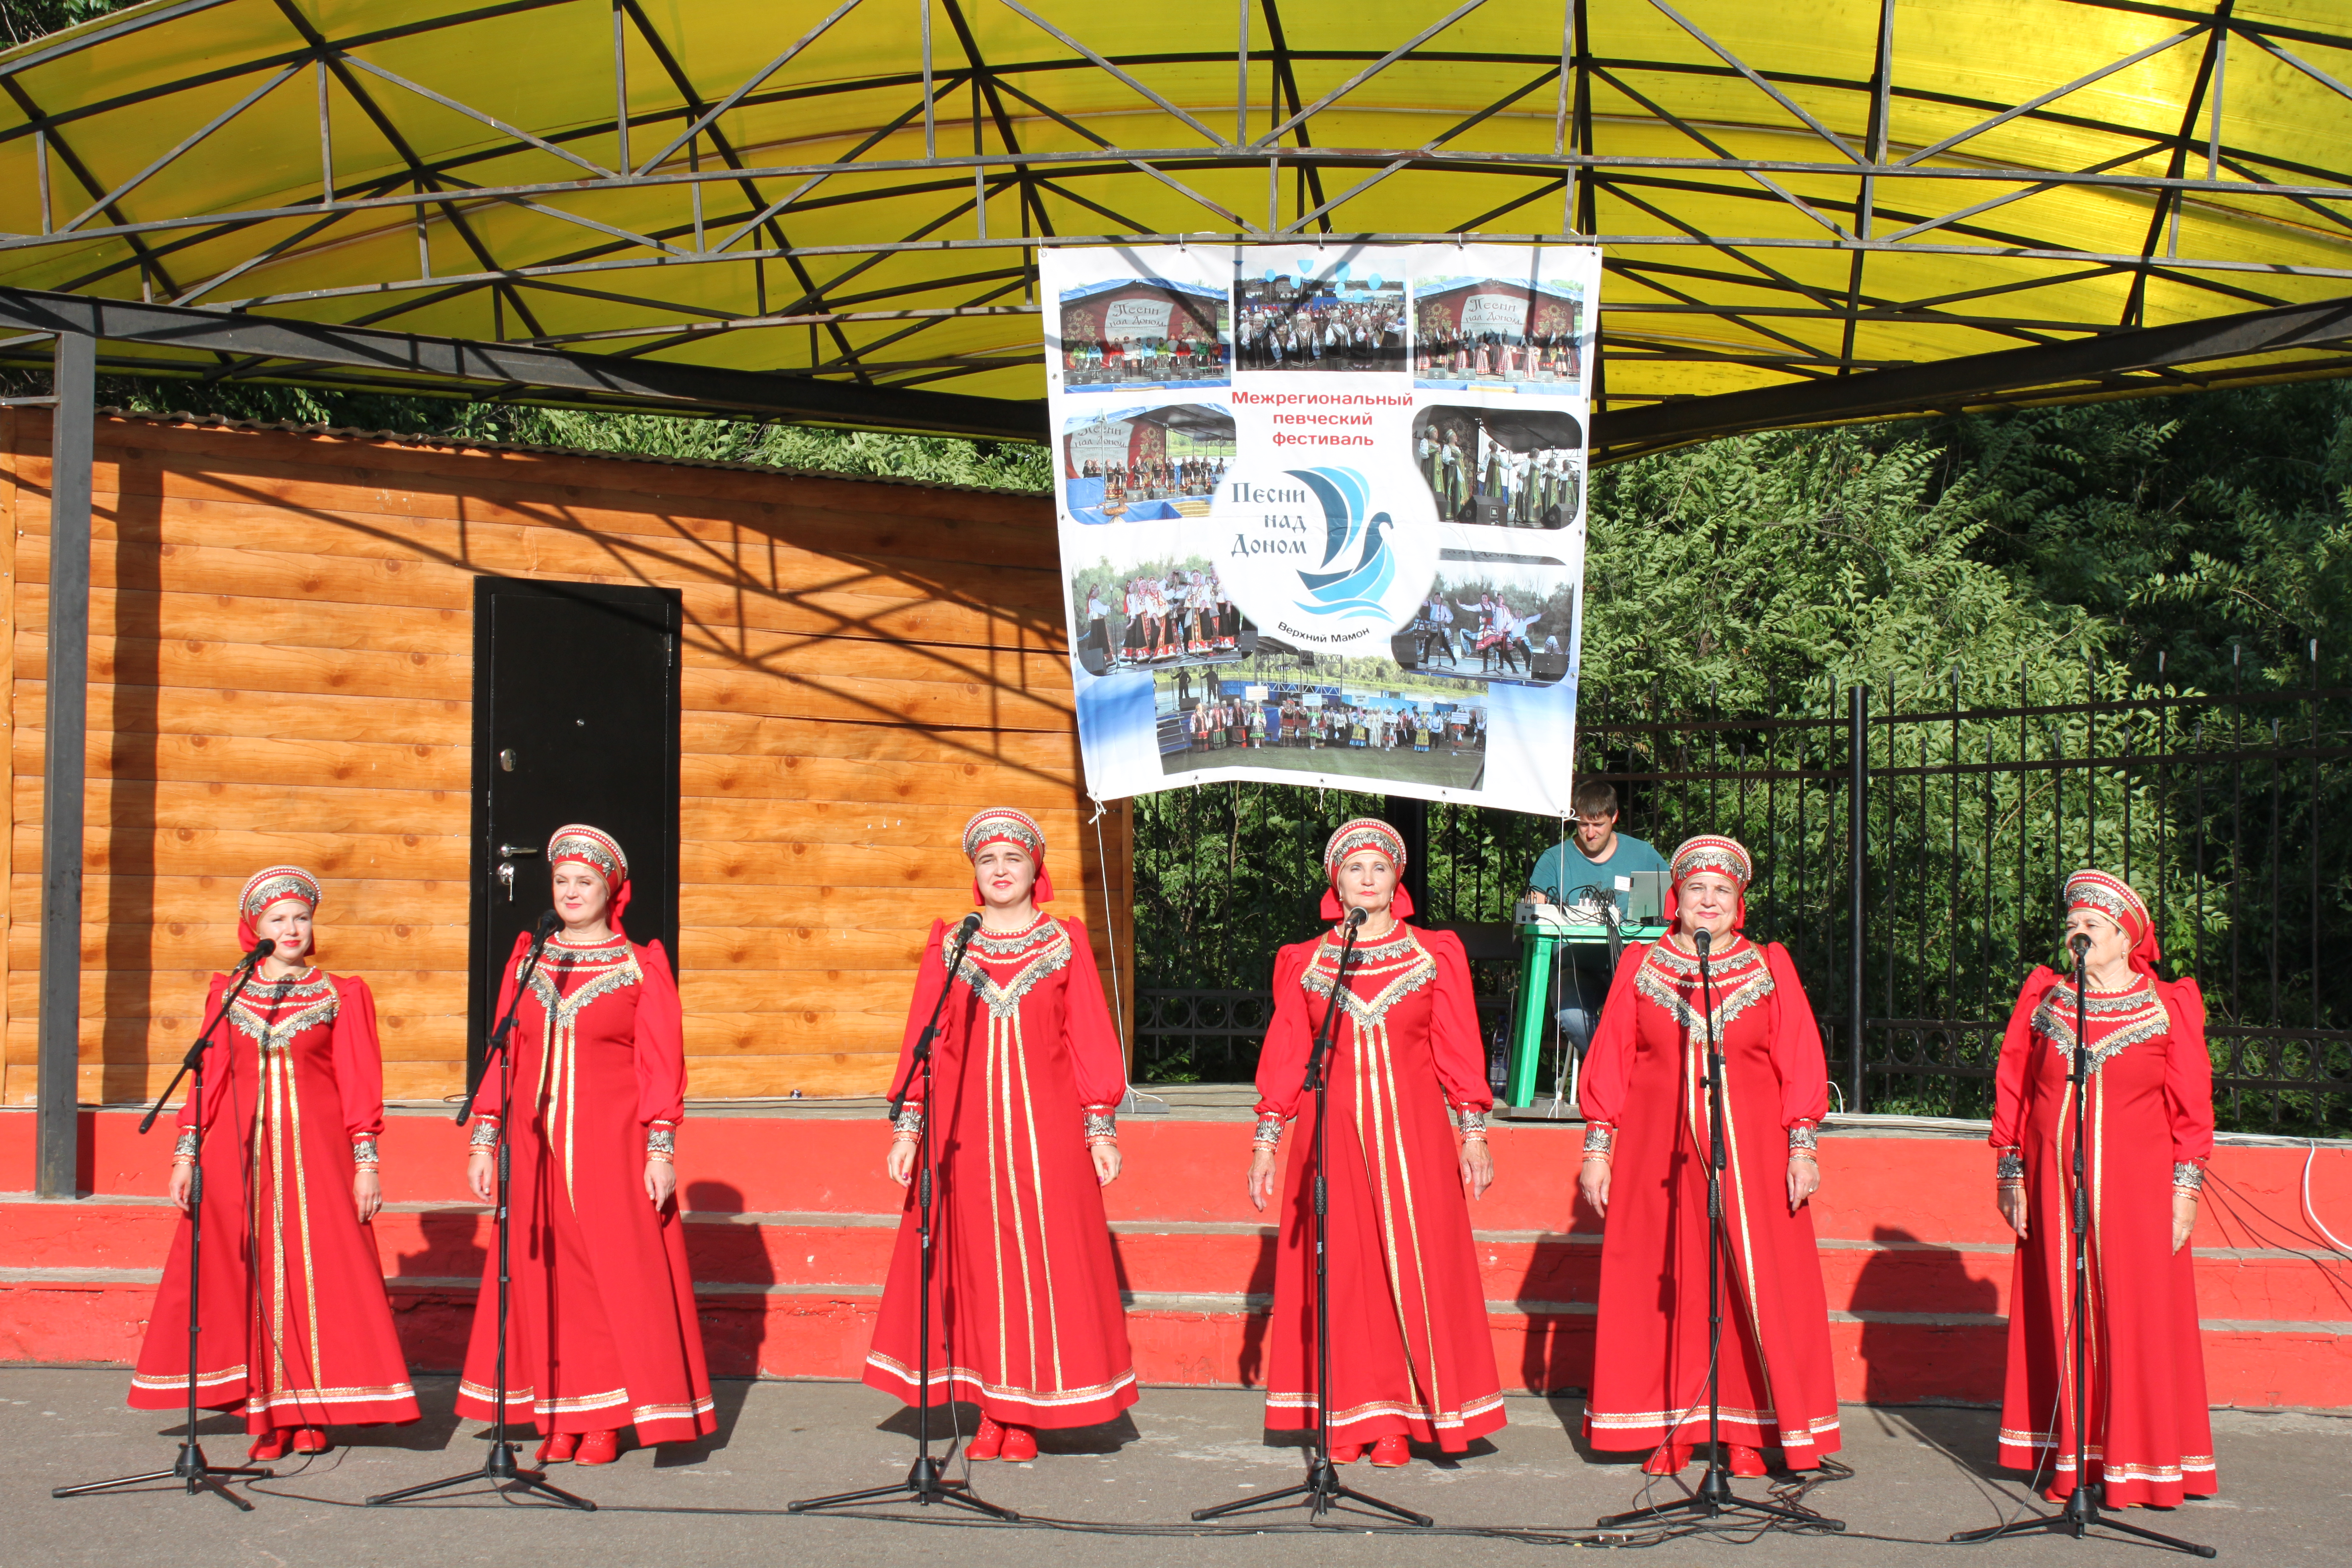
<point>1791,197</point>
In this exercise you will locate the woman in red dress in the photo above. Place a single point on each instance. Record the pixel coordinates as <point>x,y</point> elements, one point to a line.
<point>2150,1113</point>
<point>1411,1354</point>
<point>1027,1074</point>
<point>601,1327</point>
<point>296,1327</point>
<point>1645,1100</point>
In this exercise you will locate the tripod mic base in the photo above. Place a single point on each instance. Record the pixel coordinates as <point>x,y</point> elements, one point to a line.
<point>1319,1492</point>
<point>1715,1499</point>
<point>500,1473</point>
<point>2081,1513</point>
<point>189,1468</point>
<point>925,1484</point>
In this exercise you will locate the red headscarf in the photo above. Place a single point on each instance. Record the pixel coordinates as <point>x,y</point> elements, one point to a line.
<point>270,887</point>
<point>2113,897</point>
<point>1709,852</point>
<point>1003,825</point>
<point>578,844</point>
<point>1364,833</point>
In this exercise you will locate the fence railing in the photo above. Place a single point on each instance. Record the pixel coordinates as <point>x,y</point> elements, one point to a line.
<point>1909,847</point>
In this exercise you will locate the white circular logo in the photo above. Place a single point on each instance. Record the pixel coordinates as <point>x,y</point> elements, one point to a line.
<point>1328,560</point>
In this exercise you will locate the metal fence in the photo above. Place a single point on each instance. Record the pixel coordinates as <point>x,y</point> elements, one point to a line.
<point>1910,846</point>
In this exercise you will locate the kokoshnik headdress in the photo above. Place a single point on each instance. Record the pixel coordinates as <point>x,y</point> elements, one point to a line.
<point>1364,833</point>
<point>2113,897</point>
<point>270,887</point>
<point>1003,825</point>
<point>1711,852</point>
<point>578,844</point>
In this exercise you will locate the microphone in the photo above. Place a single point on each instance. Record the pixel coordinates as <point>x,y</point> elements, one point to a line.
<point>2079,945</point>
<point>261,950</point>
<point>971,923</point>
<point>546,926</point>
<point>1357,916</point>
<point>1702,939</point>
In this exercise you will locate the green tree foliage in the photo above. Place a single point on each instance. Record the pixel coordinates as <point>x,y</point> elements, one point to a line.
<point>25,20</point>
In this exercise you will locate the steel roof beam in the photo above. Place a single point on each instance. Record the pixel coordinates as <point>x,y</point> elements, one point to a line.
<point>646,382</point>
<point>1957,381</point>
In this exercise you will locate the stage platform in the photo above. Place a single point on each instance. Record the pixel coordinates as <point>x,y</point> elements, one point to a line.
<point>790,1224</point>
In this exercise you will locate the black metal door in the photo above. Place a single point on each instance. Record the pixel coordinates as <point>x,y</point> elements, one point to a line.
<point>575,719</point>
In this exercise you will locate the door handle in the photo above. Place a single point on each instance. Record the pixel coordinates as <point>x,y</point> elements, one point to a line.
<point>506,877</point>
<point>513,849</point>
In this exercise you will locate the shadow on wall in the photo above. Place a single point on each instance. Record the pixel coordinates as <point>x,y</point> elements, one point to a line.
<point>1930,1330</point>
<point>732,1274</point>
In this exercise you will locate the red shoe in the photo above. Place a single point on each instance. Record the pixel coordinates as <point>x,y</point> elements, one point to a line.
<point>987,1443</point>
<point>1392,1452</point>
<point>1669,1461</point>
<point>558,1448</point>
<point>311,1440</point>
<point>1346,1453</point>
<point>270,1444</point>
<point>598,1448</point>
<point>1743,1461</point>
<point>1020,1445</point>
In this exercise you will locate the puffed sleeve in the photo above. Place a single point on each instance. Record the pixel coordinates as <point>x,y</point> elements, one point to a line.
<point>2016,1052</point>
<point>930,979</point>
<point>1282,1060</point>
<point>660,1049</point>
<point>1608,1070</point>
<point>2189,1075</point>
<point>1454,1043</point>
<point>1797,1056</point>
<point>359,1061</point>
<point>1089,1032</point>
<point>217,1067</point>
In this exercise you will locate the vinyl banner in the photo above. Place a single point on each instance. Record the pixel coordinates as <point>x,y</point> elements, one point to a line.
<point>1322,513</point>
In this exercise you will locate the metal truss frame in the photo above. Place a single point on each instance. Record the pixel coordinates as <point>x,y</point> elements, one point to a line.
<point>1748,300</point>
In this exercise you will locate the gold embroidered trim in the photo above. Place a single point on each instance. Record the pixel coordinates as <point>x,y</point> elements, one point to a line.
<point>1404,963</point>
<point>2134,1015</point>
<point>1041,952</point>
<point>611,966</point>
<point>1739,979</point>
<point>1042,1398</point>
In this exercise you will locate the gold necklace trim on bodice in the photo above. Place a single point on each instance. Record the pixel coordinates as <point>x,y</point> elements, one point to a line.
<point>1739,978</point>
<point>609,965</point>
<point>2130,1017</point>
<point>1395,966</point>
<point>312,999</point>
<point>1002,967</point>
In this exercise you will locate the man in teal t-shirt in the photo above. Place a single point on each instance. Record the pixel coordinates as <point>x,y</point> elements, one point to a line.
<point>1597,856</point>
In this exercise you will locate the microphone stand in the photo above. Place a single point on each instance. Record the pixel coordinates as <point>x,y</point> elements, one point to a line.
<point>498,1468</point>
<point>924,1484</point>
<point>189,1466</point>
<point>2084,1508</point>
<point>1322,1488</point>
<point>1715,1498</point>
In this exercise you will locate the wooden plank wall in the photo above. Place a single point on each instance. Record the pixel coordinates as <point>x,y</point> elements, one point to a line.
<point>282,647</point>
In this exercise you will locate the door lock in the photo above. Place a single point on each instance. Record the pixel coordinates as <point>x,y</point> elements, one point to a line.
<point>505,871</point>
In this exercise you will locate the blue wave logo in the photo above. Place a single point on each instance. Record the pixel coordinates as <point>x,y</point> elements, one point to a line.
<point>1358,567</point>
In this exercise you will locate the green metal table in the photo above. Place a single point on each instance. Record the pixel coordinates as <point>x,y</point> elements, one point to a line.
<point>1541,946</point>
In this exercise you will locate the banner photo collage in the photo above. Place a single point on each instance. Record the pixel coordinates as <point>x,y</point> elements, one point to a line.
<point>1322,513</point>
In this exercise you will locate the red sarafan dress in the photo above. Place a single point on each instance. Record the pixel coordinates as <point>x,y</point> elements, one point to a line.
<point>296,1327</point>
<point>2150,1111</point>
<point>602,1330</point>
<point>1645,1075</point>
<point>1411,1349</point>
<point>1026,1319</point>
